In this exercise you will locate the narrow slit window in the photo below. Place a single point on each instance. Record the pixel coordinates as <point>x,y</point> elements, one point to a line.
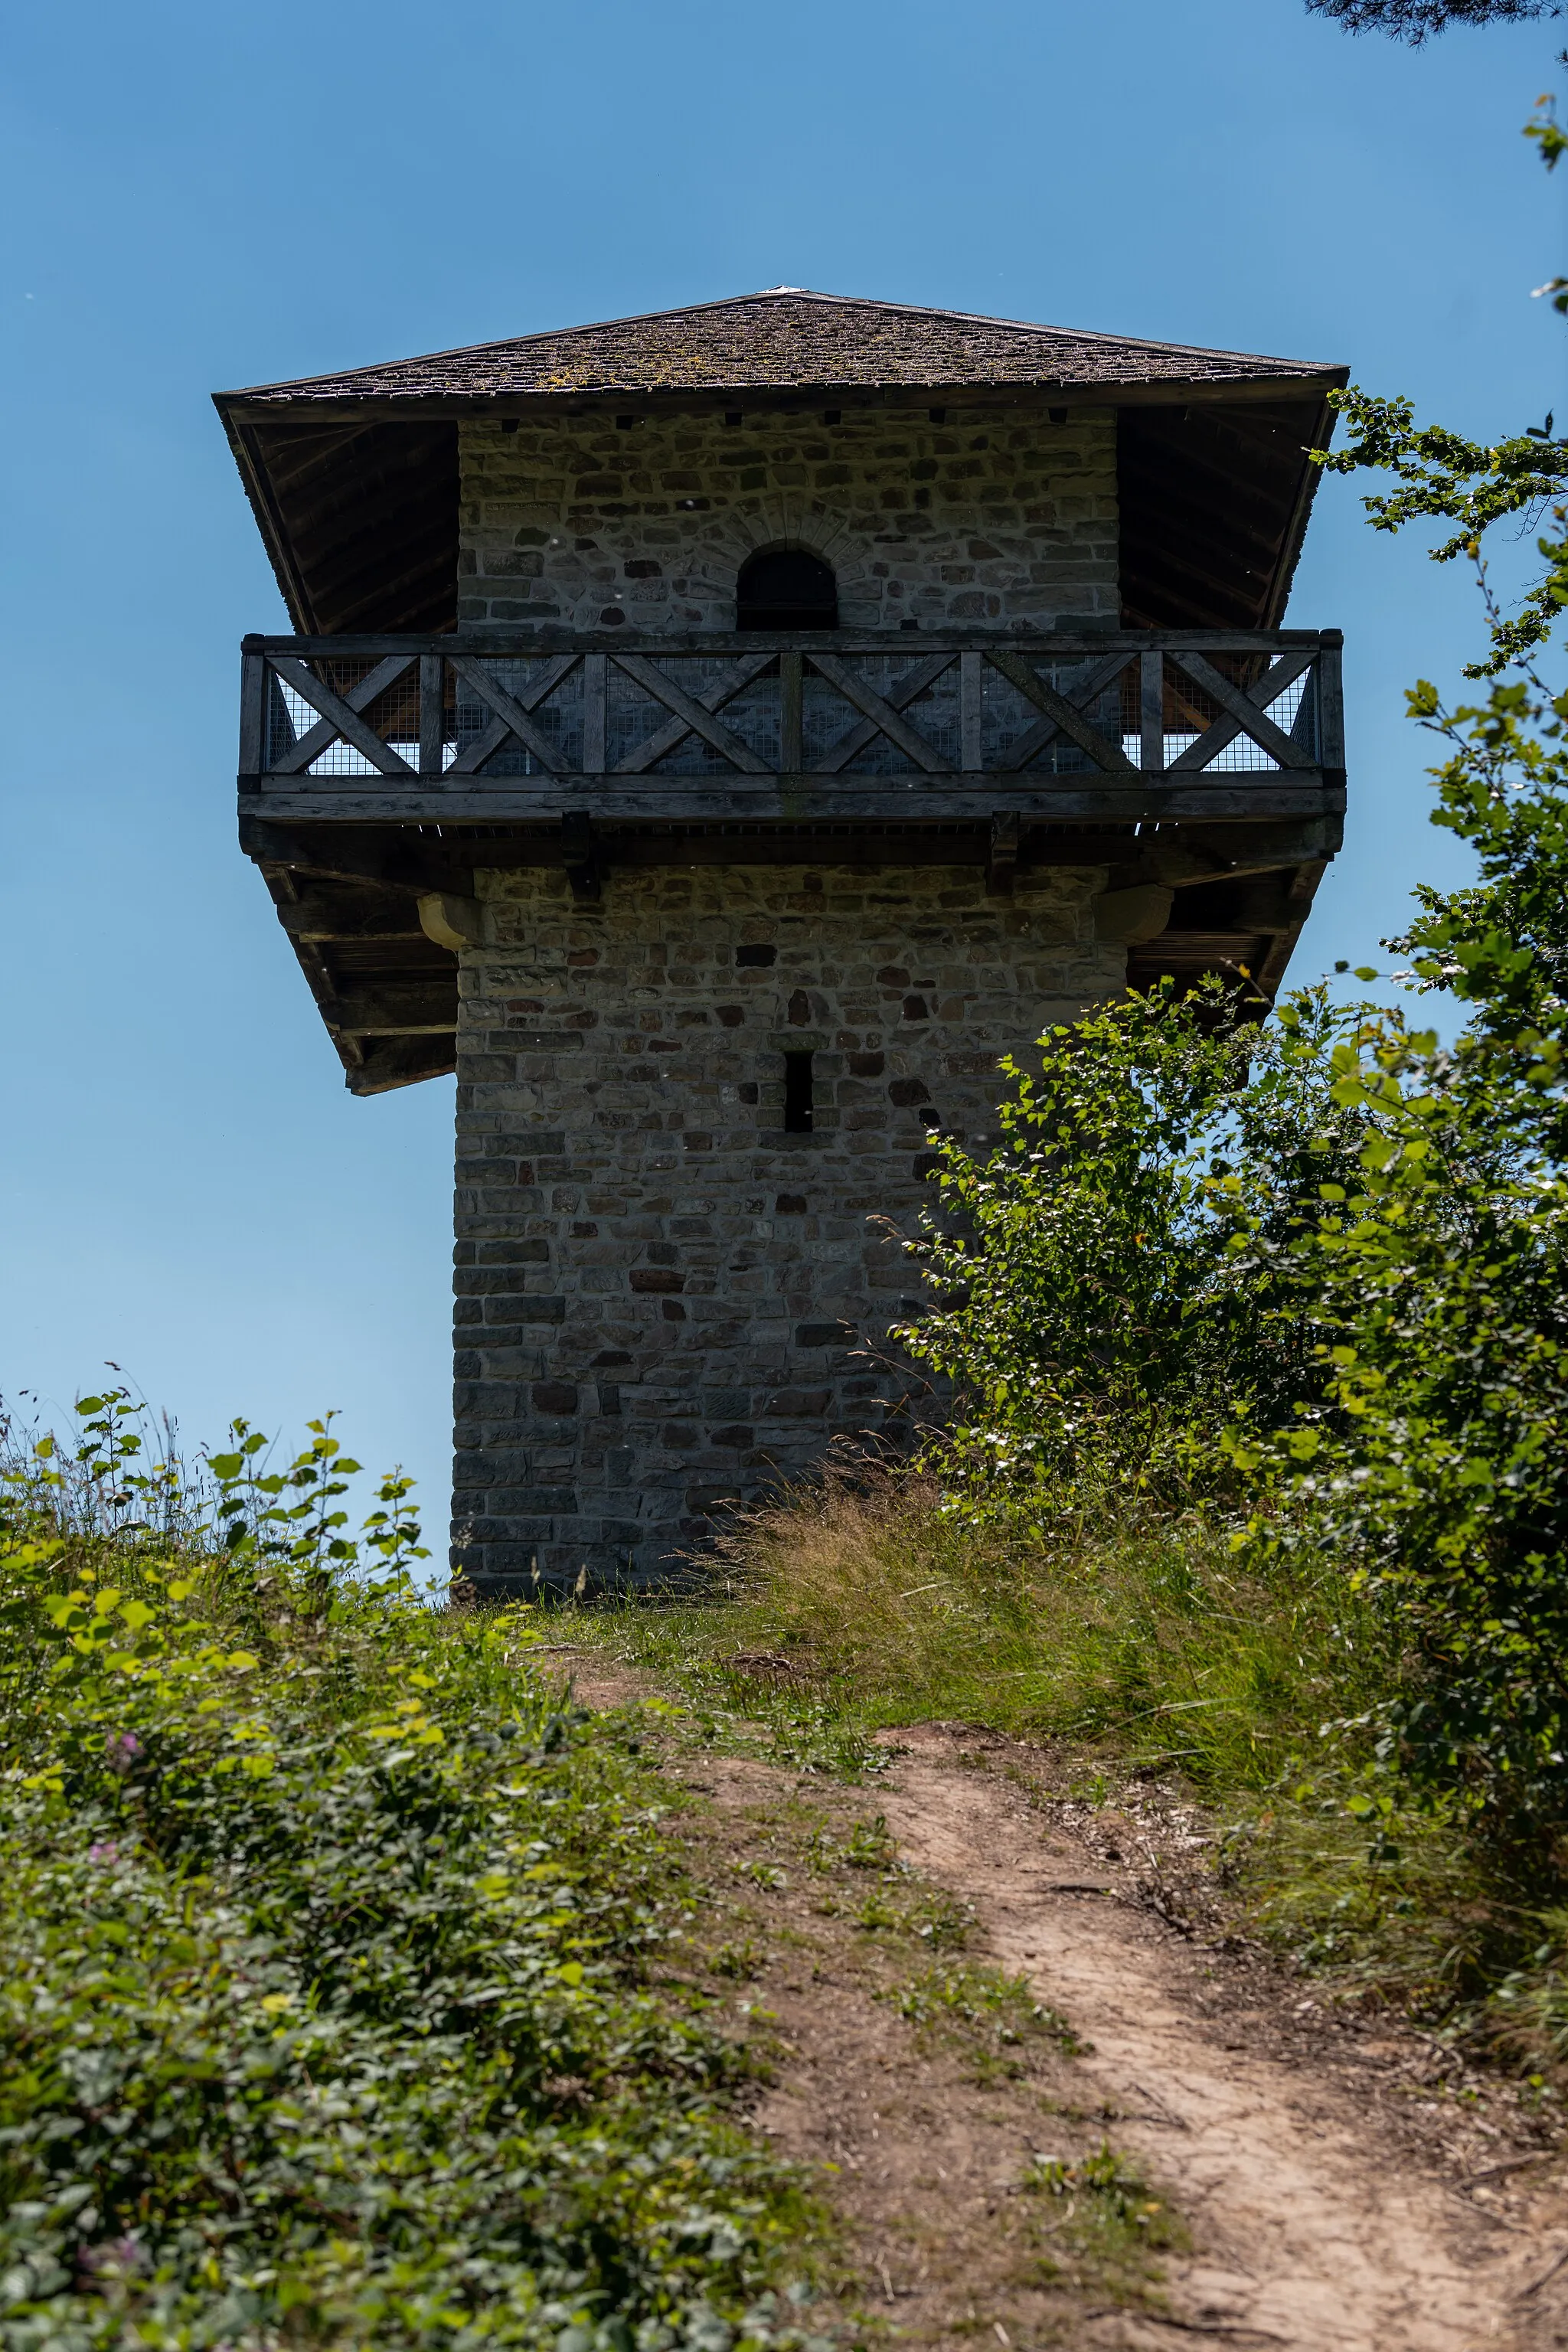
<point>797,1094</point>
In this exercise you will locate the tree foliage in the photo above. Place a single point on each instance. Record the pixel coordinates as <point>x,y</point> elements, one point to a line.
<point>1416,20</point>
<point>1314,1281</point>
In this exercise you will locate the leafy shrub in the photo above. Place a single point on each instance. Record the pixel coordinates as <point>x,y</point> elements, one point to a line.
<point>325,1932</point>
<point>1117,1276</point>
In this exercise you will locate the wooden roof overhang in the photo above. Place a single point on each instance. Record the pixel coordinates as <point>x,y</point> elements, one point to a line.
<point>358,507</point>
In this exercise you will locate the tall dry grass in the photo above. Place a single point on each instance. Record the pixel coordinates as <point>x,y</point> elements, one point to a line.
<point>888,1606</point>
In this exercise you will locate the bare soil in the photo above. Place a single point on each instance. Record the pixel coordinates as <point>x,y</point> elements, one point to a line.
<point>1293,2172</point>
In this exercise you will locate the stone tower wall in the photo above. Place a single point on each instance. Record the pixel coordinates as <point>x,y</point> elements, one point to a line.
<point>660,1293</point>
<point>994,516</point>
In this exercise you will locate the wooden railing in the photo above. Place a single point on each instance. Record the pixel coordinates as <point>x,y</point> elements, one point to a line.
<point>1130,724</point>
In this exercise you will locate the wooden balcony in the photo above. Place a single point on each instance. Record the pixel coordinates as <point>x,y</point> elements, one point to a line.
<point>378,773</point>
<point>1123,728</point>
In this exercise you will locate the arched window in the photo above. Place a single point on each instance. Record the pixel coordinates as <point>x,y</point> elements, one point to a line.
<point>789,589</point>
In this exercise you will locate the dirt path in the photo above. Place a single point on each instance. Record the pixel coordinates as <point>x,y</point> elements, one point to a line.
<point>1339,2197</point>
<point>1316,2223</point>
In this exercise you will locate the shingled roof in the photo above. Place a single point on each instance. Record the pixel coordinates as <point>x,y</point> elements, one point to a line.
<point>790,339</point>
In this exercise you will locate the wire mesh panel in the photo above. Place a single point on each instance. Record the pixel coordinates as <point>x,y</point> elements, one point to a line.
<point>1190,709</point>
<point>556,714</point>
<point>933,712</point>
<point>1181,707</point>
<point>1011,721</point>
<point>393,715</point>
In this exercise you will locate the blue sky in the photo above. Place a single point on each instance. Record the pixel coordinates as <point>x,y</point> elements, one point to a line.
<point>204,196</point>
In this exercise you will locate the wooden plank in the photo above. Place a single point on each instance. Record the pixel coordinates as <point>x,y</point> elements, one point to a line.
<point>971,711</point>
<point>339,715</point>
<point>948,797</point>
<point>511,643</point>
<point>390,857</point>
<point>663,688</point>
<point>594,688</point>
<point>579,853</point>
<point>1332,702</point>
<point>1238,704</point>
<point>432,714</point>
<point>713,697</point>
<point>879,710</point>
<point>333,790</point>
<point>323,915</point>
<point>396,1009</point>
<point>509,712</point>
<point>1063,712</point>
<point>388,1062</point>
<point>902,691</point>
<point>792,713</point>
<point>1151,711</point>
<point>252,713</point>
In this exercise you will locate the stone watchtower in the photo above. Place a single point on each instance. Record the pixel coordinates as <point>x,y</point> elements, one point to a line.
<point>719,737</point>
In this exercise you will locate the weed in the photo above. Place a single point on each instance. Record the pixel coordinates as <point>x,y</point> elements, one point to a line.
<point>1100,2223</point>
<point>991,2015</point>
<point>871,1845</point>
<point>879,1914</point>
<point>924,1914</point>
<point>741,1959</point>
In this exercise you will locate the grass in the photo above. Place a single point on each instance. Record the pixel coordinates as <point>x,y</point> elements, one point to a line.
<point>881,1610</point>
<point>1145,1654</point>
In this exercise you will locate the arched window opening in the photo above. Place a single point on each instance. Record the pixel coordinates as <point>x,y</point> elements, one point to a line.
<point>789,589</point>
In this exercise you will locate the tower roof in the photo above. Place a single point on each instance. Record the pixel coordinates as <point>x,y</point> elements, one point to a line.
<point>353,476</point>
<point>786,339</point>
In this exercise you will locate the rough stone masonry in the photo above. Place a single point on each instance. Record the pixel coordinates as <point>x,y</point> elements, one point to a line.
<point>663,1297</point>
<point>985,518</point>
<point>666,1298</point>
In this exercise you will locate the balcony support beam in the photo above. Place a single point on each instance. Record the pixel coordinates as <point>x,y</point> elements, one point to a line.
<point>1129,798</point>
